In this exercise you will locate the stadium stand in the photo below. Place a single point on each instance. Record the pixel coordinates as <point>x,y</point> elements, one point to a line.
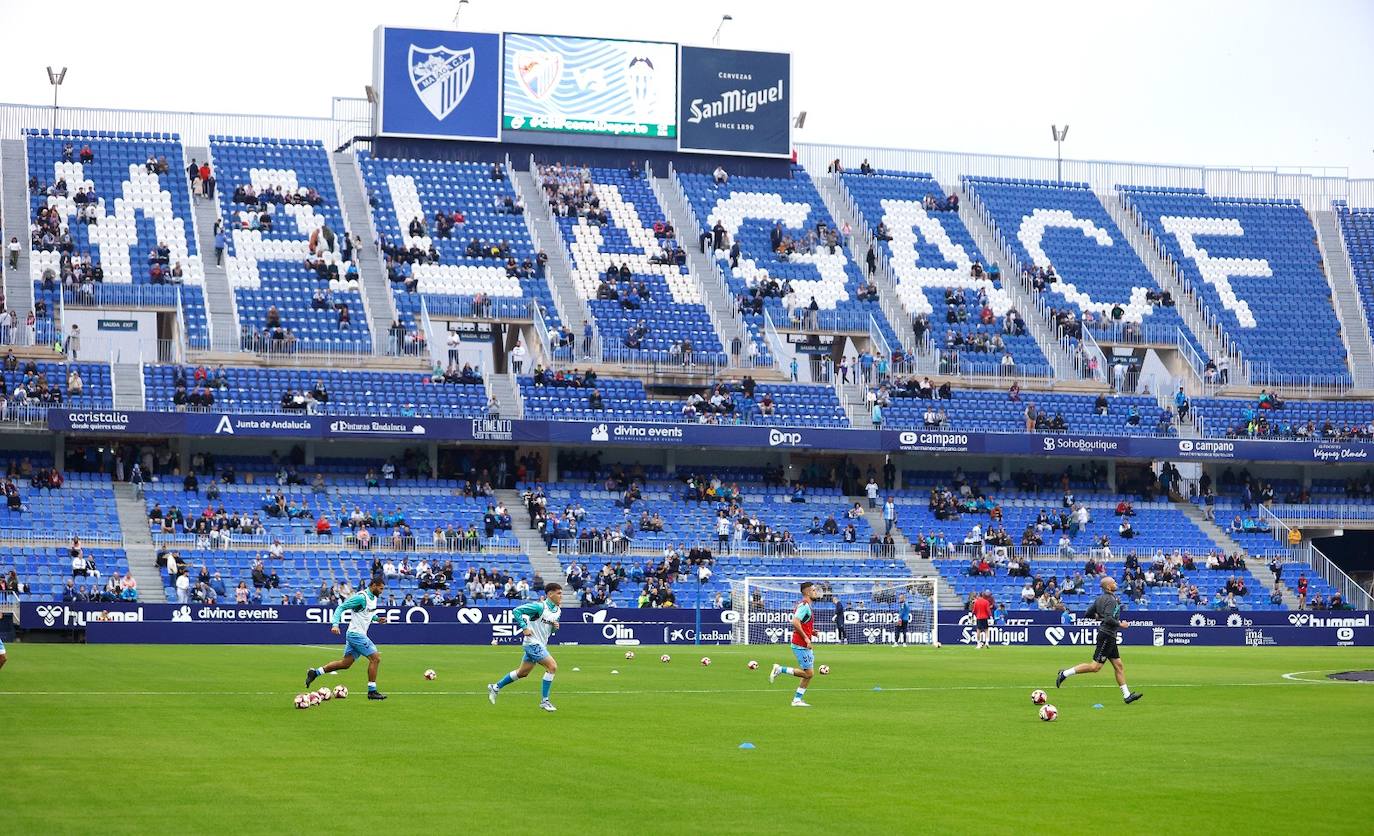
<point>1063,226</point>
<point>932,256</point>
<point>994,411</point>
<point>1270,416</point>
<point>1357,228</point>
<point>328,576</point>
<point>299,390</point>
<point>441,262</point>
<point>47,575</point>
<point>1257,266</point>
<point>753,210</point>
<point>112,213</point>
<point>302,249</point>
<point>562,397</point>
<point>54,384</point>
<point>627,264</point>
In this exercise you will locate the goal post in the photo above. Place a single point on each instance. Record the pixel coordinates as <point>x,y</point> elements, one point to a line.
<point>870,607</point>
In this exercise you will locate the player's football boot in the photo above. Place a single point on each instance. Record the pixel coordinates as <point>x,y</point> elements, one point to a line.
<point>492,691</point>
<point>773,674</point>
<point>376,695</point>
<point>1132,697</point>
<point>546,705</point>
<point>1059,679</point>
<point>310,676</point>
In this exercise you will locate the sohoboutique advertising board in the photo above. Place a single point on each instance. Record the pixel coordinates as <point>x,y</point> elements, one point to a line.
<point>736,101</point>
<point>437,83</point>
<point>590,86</point>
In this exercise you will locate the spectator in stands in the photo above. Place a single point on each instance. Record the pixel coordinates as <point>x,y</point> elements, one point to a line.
<point>720,176</point>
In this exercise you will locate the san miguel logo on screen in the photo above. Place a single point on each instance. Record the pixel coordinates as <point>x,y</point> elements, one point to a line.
<point>538,72</point>
<point>441,77</point>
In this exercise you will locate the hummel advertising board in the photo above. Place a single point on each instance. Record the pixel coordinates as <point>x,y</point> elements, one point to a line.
<point>437,83</point>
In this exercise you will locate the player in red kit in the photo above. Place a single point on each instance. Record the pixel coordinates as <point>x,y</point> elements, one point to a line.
<point>982,614</point>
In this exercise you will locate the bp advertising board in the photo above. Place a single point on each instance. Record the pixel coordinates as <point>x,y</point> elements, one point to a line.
<point>736,101</point>
<point>437,83</point>
<point>590,86</point>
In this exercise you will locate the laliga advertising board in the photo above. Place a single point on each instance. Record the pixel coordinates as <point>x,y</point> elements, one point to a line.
<point>590,86</point>
<point>437,83</point>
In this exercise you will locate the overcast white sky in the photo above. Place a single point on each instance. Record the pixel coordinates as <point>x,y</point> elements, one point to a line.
<point>1218,82</point>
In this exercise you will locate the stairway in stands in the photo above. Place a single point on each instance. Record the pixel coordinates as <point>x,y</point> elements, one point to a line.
<point>14,205</point>
<point>138,543</point>
<point>220,305</point>
<point>532,543</point>
<point>572,308</point>
<point>1346,298</point>
<point>919,566</point>
<point>381,305</point>
<point>1227,544</point>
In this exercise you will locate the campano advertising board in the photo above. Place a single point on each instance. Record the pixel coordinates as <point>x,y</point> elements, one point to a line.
<point>436,83</point>
<point>736,101</point>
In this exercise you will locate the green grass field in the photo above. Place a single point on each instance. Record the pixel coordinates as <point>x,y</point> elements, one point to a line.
<point>153,739</point>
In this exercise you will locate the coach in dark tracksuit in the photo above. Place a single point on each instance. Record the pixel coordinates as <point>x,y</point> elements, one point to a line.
<point>839,621</point>
<point>1107,609</point>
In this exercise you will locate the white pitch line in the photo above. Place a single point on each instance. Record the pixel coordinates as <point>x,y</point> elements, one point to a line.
<point>1296,676</point>
<point>640,692</point>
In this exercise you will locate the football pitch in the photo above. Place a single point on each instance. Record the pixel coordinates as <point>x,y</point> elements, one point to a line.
<point>149,739</point>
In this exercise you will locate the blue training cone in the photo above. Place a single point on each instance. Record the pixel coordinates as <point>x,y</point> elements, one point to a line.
<point>877,687</point>
<point>1097,705</point>
<point>746,745</point>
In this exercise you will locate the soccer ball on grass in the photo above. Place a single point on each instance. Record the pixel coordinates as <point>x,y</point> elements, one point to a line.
<point>1048,712</point>
<point>314,698</point>
<point>325,694</point>
<point>629,654</point>
<point>665,658</point>
<point>824,669</point>
<point>706,661</point>
<point>1039,697</point>
<point>753,665</point>
<point>340,692</point>
<point>302,701</point>
<point>430,674</point>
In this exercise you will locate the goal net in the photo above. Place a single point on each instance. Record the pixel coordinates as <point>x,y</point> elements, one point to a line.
<point>869,610</point>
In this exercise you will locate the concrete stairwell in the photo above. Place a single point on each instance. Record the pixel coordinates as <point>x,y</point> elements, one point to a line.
<point>918,565</point>
<point>14,205</point>
<point>852,397</point>
<point>1345,298</point>
<point>381,305</point>
<point>1224,541</point>
<point>701,266</point>
<point>572,308</point>
<point>532,543</point>
<point>126,381</point>
<point>220,305</point>
<point>138,543</point>
<point>506,389</point>
<point>996,251</point>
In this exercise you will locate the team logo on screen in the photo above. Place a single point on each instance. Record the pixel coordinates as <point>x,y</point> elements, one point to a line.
<point>538,72</point>
<point>641,77</point>
<point>441,77</point>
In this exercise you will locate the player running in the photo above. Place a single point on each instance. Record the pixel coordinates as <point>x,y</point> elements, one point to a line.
<point>1106,607</point>
<point>803,629</point>
<point>982,614</point>
<point>538,620</point>
<point>3,656</point>
<point>363,609</point>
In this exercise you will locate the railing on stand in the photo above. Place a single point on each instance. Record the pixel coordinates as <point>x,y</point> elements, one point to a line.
<point>1302,550</point>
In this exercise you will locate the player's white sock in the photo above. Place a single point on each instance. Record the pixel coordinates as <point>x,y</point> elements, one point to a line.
<point>1125,690</point>
<point>1069,671</point>
<point>371,686</point>
<point>801,692</point>
<point>319,671</point>
<point>785,671</point>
